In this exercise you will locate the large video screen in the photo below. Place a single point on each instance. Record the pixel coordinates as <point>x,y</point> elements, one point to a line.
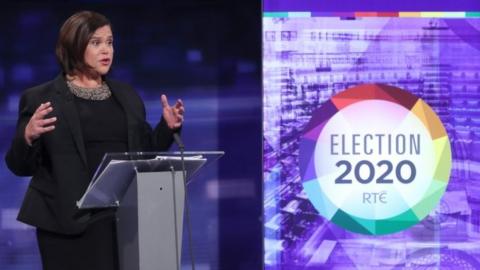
<point>309,61</point>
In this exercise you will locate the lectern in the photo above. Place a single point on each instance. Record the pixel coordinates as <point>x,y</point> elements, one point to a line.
<point>148,191</point>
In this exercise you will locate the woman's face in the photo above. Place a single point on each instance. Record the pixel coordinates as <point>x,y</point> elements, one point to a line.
<point>99,51</point>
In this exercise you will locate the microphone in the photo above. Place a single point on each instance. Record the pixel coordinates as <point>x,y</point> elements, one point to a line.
<point>179,142</point>
<point>181,146</point>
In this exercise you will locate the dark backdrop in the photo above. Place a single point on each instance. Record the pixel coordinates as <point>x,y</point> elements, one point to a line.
<point>205,52</point>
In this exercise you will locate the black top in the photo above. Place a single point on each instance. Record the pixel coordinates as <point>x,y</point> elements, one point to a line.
<point>104,129</point>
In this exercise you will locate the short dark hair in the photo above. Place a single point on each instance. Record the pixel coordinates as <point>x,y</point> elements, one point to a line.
<point>73,39</point>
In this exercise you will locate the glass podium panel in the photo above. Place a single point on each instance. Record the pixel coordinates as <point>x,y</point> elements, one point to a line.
<point>117,170</point>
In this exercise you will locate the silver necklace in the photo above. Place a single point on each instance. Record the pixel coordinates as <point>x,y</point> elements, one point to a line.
<point>101,92</point>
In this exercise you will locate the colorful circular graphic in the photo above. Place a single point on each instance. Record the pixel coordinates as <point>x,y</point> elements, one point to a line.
<point>375,159</point>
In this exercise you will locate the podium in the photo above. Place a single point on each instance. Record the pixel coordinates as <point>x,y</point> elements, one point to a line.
<point>148,190</point>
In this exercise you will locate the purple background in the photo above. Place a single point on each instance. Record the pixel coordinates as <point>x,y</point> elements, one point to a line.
<point>369,5</point>
<point>308,60</point>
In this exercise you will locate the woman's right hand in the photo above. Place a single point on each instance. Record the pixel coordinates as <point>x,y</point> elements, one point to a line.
<point>38,125</point>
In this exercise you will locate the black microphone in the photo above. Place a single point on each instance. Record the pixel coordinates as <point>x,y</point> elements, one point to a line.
<point>178,141</point>
<point>181,146</point>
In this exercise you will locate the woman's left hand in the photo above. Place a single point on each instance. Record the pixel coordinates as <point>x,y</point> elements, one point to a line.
<point>173,115</point>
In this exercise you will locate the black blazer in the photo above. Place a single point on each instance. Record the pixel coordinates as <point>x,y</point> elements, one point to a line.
<point>57,160</point>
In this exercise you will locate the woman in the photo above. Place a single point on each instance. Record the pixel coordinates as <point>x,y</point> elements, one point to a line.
<point>65,126</point>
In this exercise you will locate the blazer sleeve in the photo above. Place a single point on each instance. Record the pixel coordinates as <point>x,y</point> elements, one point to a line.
<point>161,137</point>
<point>21,158</point>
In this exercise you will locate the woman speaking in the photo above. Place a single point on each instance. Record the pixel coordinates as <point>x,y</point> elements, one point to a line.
<point>64,128</point>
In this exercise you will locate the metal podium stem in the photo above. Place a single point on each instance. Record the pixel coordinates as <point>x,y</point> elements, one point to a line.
<point>149,230</point>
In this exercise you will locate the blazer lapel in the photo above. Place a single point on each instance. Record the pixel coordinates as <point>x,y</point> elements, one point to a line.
<point>67,107</point>
<point>122,99</point>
